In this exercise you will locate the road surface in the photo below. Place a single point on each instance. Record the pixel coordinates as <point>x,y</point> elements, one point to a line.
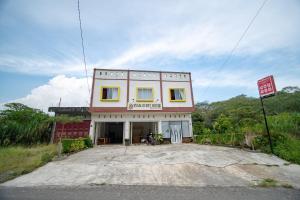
<point>109,192</point>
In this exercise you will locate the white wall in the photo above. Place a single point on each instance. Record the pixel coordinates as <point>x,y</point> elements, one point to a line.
<point>118,83</point>
<point>166,94</point>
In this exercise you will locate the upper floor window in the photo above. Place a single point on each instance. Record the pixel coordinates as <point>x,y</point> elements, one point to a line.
<point>177,95</point>
<point>109,93</point>
<point>144,94</point>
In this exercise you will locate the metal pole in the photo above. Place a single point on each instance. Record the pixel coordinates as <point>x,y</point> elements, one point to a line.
<point>266,122</point>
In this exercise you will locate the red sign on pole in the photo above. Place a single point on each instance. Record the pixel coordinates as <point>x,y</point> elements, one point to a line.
<point>266,86</point>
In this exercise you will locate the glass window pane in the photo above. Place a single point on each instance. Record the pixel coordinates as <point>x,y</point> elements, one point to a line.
<point>104,93</point>
<point>165,129</point>
<point>185,129</point>
<point>172,94</point>
<point>144,93</point>
<point>177,94</point>
<point>110,93</point>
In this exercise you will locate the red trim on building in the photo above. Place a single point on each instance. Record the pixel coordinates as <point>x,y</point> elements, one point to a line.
<point>128,78</point>
<point>124,109</point>
<point>191,88</point>
<point>92,94</point>
<point>161,94</point>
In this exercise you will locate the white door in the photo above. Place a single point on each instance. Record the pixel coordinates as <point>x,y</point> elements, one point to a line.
<point>175,132</point>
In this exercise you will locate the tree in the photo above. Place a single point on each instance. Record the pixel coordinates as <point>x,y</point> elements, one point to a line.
<point>20,124</point>
<point>223,124</point>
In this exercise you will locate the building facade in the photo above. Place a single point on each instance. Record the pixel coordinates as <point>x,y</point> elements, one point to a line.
<point>126,105</point>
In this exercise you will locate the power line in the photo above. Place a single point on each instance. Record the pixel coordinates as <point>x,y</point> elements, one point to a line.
<point>237,44</point>
<point>82,45</point>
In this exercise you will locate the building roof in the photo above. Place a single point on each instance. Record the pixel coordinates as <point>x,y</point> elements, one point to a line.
<point>69,110</point>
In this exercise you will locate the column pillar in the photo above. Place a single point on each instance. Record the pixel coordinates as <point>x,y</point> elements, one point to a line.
<point>191,125</point>
<point>127,130</point>
<point>92,128</point>
<point>159,127</point>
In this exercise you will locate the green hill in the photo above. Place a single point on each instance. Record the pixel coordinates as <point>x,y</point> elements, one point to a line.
<point>241,118</point>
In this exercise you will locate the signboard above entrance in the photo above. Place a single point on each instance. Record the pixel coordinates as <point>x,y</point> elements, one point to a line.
<point>144,106</point>
<point>266,86</point>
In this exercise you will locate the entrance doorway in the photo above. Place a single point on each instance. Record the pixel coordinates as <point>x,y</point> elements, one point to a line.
<point>109,132</point>
<point>140,130</point>
<point>175,132</point>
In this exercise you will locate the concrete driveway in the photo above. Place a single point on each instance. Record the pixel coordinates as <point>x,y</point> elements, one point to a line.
<point>177,165</point>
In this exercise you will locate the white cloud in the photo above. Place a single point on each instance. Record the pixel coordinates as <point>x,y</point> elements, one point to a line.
<point>224,78</point>
<point>25,65</point>
<point>160,29</point>
<point>72,91</point>
<point>240,78</point>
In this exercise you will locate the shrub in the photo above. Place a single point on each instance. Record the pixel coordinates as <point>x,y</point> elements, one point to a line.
<point>223,124</point>
<point>77,145</point>
<point>73,145</point>
<point>284,146</point>
<point>88,142</point>
<point>158,137</point>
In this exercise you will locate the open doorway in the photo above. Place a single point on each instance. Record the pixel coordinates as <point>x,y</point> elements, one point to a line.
<point>141,129</point>
<point>109,132</point>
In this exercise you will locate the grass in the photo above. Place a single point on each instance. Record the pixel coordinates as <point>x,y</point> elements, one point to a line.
<point>18,160</point>
<point>268,182</point>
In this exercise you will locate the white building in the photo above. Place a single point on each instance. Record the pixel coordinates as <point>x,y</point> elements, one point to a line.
<point>126,105</point>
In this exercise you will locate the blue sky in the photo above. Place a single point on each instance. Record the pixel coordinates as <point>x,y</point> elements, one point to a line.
<point>41,60</point>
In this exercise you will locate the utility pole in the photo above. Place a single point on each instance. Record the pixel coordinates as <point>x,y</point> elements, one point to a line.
<point>266,123</point>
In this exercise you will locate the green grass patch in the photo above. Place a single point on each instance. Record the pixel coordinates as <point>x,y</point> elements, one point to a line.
<point>268,182</point>
<point>220,139</point>
<point>18,160</point>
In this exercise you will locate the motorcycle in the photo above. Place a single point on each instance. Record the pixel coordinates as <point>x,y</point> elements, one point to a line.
<point>149,139</point>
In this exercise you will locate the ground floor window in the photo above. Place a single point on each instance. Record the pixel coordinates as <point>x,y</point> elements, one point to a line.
<point>175,130</point>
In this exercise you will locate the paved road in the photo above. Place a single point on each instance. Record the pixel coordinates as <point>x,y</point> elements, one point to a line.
<point>109,192</point>
<point>167,165</point>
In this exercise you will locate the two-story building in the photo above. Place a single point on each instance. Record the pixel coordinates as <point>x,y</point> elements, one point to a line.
<point>126,105</point>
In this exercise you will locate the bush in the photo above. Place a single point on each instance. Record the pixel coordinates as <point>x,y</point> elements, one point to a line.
<point>20,124</point>
<point>88,142</point>
<point>77,145</point>
<point>158,137</point>
<point>74,145</point>
<point>223,124</point>
<point>284,146</point>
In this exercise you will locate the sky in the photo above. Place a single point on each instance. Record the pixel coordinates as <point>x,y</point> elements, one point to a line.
<point>41,57</point>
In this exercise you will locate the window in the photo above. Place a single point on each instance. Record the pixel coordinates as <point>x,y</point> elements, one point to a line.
<point>177,95</point>
<point>144,94</point>
<point>181,126</point>
<point>110,93</point>
<point>165,129</point>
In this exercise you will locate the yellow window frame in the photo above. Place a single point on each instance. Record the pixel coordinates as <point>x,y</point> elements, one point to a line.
<point>144,100</point>
<point>109,100</point>
<point>182,100</point>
